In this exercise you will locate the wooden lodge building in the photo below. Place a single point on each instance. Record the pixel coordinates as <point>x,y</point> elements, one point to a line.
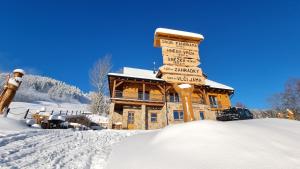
<point>141,100</point>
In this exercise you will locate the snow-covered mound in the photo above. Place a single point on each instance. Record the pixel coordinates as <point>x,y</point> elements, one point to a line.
<point>36,87</point>
<point>7,124</point>
<point>97,118</point>
<point>250,144</point>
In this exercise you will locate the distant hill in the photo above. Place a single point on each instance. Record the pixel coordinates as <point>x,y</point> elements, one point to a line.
<point>40,88</point>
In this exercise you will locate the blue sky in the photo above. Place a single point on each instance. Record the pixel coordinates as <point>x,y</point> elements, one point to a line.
<point>252,46</point>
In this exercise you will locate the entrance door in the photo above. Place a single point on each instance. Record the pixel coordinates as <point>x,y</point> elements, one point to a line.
<point>130,120</point>
<point>201,115</point>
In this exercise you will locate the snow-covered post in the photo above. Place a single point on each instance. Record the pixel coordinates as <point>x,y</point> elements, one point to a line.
<point>6,111</point>
<point>10,89</point>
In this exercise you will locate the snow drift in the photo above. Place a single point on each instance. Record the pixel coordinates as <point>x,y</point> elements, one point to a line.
<point>251,144</point>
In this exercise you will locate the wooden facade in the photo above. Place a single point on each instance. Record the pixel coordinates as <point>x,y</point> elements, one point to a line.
<point>151,103</point>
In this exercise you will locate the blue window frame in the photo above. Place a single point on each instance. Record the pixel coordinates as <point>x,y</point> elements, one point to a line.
<point>178,114</point>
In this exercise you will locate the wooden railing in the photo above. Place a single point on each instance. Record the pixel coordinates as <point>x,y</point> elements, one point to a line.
<point>139,96</point>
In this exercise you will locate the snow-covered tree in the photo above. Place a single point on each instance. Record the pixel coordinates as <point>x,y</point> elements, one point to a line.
<point>98,78</point>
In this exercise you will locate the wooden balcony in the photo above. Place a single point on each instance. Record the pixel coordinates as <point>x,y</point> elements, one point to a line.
<point>138,99</point>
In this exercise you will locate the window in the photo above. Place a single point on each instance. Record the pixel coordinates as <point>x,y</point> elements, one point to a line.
<point>130,117</point>
<point>213,101</point>
<point>178,114</point>
<point>174,97</point>
<point>143,97</point>
<point>202,101</point>
<point>140,95</point>
<point>153,117</point>
<point>201,115</point>
<point>118,94</point>
<point>146,97</point>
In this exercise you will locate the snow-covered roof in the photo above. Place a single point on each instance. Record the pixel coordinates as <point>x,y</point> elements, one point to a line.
<point>177,32</point>
<point>150,75</point>
<point>19,71</point>
<point>137,73</point>
<point>217,85</point>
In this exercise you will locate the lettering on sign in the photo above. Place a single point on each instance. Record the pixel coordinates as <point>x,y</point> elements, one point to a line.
<point>171,78</point>
<point>180,61</point>
<point>178,44</point>
<point>166,51</point>
<point>196,71</point>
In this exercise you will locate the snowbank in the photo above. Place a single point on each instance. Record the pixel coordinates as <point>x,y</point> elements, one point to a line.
<point>251,144</point>
<point>12,125</point>
<point>8,126</point>
<point>97,118</point>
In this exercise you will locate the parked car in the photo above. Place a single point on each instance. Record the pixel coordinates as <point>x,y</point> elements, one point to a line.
<point>234,113</point>
<point>95,126</point>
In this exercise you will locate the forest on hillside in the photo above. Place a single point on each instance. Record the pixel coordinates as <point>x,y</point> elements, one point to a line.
<point>40,88</point>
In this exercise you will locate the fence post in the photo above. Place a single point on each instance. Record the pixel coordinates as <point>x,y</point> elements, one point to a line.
<point>6,113</point>
<point>26,114</point>
<point>60,112</point>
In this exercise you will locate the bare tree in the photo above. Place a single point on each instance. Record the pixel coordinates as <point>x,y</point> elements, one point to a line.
<point>240,104</point>
<point>98,79</point>
<point>289,98</point>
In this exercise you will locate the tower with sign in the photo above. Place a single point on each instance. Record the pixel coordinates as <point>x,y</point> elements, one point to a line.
<point>180,51</point>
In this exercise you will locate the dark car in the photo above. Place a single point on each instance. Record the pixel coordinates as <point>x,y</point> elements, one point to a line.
<point>234,113</point>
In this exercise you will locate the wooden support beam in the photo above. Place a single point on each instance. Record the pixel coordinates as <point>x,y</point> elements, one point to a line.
<point>144,88</point>
<point>114,89</point>
<point>205,95</point>
<point>162,90</point>
<point>168,88</point>
<point>118,84</point>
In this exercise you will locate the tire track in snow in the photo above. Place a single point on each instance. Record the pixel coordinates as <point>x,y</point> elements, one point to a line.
<point>50,149</point>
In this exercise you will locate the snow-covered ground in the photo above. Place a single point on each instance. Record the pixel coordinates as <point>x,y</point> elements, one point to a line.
<point>25,147</point>
<point>248,144</point>
<point>47,149</point>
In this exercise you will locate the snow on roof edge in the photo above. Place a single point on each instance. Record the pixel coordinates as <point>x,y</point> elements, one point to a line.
<point>19,71</point>
<point>132,76</point>
<point>217,85</point>
<point>151,76</point>
<point>178,32</point>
